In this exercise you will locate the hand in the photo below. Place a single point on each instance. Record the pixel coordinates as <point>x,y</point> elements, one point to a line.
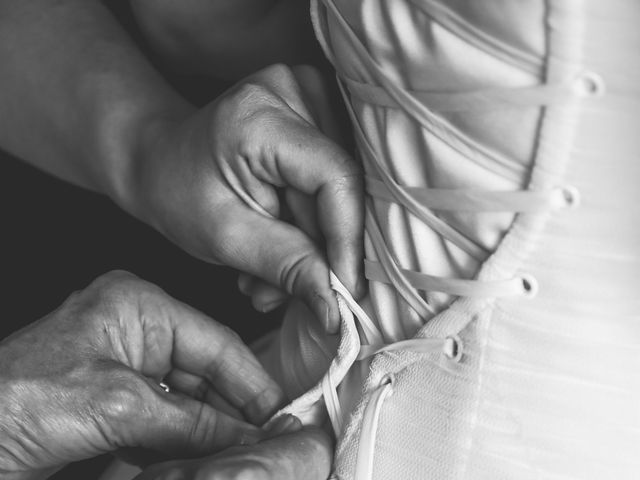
<point>210,183</point>
<point>84,381</point>
<point>305,454</point>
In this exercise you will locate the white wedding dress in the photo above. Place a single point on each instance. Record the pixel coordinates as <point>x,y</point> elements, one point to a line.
<point>501,143</point>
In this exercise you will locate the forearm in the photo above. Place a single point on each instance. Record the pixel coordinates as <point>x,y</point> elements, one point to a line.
<point>75,93</point>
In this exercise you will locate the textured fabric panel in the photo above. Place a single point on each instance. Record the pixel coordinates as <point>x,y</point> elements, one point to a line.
<point>547,387</point>
<point>426,424</point>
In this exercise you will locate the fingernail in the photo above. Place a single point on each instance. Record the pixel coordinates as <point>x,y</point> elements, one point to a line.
<point>268,307</point>
<point>285,424</point>
<point>268,403</point>
<point>331,325</point>
<point>251,437</point>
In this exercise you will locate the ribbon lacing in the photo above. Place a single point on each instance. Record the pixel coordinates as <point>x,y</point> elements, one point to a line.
<point>362,343</point>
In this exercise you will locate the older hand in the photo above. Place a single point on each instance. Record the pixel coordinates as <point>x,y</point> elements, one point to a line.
<point>210,183</point>
<point>84,380</point>
<point>305,454</point>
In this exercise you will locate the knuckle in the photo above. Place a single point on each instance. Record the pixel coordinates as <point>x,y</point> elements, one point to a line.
<point>248,98</point>
<point>251,90</point>
<point>121,286</point>
<point>240,106</point>
<point>122,399</point>
<point>346,167</point>
<point>202,427</point>
<point>347,176</point>
<point>279,72</point>
<point>116,276</point>
<point>104,290</point>
<point>114,284</point>
<point>351,176</point>
<point>231,335</point>
<point>297,269</point>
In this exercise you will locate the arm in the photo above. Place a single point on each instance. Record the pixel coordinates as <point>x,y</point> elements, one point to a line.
<point>79,101</point>
<point>76,96</point>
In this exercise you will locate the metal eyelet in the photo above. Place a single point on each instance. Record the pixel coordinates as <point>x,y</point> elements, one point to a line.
<point>389,380</point>
<point>590,84</point>
<point>529,285</point>
<point>453,348</point>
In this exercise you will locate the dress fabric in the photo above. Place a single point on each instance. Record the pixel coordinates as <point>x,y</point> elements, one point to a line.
<point>500,142</point>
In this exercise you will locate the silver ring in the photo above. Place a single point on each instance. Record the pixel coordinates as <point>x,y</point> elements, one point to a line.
<point>165,387</point>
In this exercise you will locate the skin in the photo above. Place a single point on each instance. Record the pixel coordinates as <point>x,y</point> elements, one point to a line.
<point>89,108</point>
<point>291,456</point>
<point>78,100</point>
<point>84,381</point>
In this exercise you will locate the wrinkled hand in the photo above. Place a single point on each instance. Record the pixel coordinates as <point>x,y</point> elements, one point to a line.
<point>211,183</point>
<point>84,381</point>
<point>305,454</point>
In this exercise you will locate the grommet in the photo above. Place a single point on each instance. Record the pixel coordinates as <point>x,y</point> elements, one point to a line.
<point>571,196</point>
<point>452,348</point>
<point>589,84</point>
<point>529,286</point>
<point>388,380</point>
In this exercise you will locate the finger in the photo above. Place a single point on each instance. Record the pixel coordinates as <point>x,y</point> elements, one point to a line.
<point>308,161</point>
<point>304,454</point>
<point>210,350</point>
<point>201,390</point>
<point>284,82</point>
<point>137,414</point>
<point>258,195</point>
<point>303,210</point>
<point>264,297</point>
<point>182,426</point>
<point>245,283</point>
<point>282,255</point>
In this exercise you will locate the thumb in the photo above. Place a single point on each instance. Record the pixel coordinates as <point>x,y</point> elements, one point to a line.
<point>283,255</point>
<point>180,426</point>
<point>304,454</point>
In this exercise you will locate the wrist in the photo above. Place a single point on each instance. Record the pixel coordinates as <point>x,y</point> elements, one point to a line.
<point>133,161</point>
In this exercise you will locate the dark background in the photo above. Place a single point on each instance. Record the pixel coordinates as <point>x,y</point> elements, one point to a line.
<point>56,238</point>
